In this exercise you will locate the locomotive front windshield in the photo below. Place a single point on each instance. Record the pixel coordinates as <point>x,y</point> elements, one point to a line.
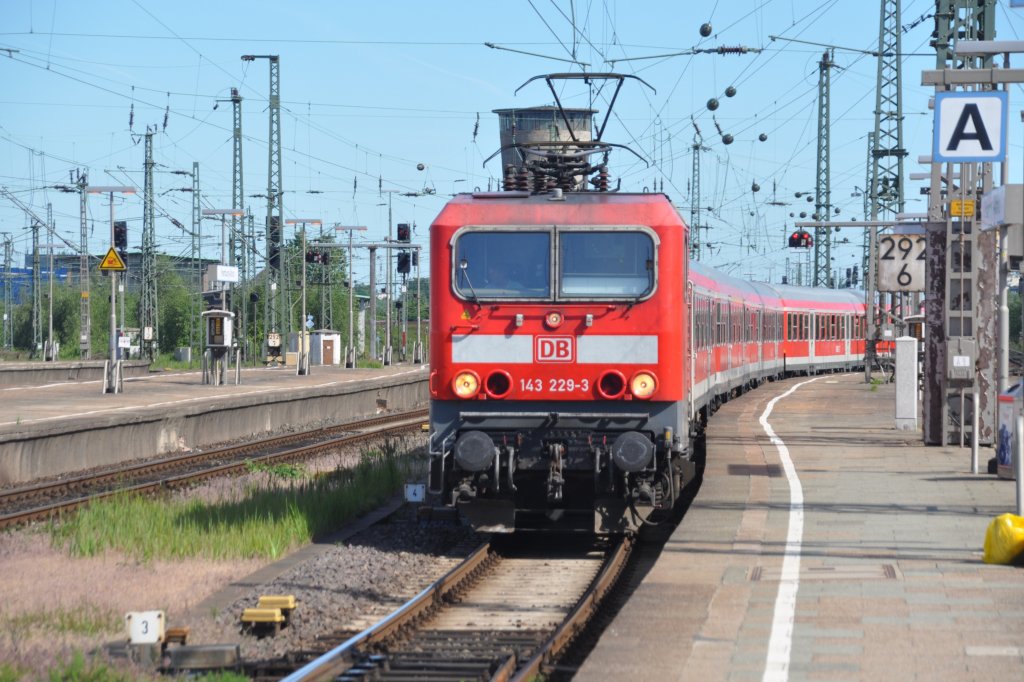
<point>616,264</point>
<point>503,265</point>
<point>591,264</point>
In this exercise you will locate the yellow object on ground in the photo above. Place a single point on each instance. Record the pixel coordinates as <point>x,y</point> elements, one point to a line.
<point>1004,539</point>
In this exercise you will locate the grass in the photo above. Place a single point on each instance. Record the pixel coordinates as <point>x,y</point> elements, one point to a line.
<point>85,620</point>
<point>85,669</point>
<point>875,383</point>
<point>287,509</point>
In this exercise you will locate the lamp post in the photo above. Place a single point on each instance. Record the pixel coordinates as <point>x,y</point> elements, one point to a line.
<point>386,353</point>
<point>111,384</point>
<point>350,348</point>
<point>50,354</point>
<point>302,363</point>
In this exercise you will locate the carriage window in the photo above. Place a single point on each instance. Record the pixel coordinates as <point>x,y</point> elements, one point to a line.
<point>605,264</point>
<point>503,265</point>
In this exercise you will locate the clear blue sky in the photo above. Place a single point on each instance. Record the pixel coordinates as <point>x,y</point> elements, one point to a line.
<point>370,90</point>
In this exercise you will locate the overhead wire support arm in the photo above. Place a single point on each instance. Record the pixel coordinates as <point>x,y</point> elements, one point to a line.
<point>721,49</point>
<point>534,54</point>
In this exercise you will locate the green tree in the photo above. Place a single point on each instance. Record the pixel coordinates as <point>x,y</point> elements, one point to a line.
<point>176,311</point>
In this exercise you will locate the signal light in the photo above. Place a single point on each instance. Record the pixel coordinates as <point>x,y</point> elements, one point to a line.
<point>404,232</point>
<point>403,263</point>
<point>121,235</point>
<point>801,239</point>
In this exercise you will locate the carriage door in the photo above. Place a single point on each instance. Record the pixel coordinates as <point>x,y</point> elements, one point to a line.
<point>844,321</point>
<point>813,324</point>
<point>759,337</point>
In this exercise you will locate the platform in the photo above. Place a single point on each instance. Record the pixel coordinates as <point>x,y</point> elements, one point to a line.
<point>68,426</point>
<point>884,581</point>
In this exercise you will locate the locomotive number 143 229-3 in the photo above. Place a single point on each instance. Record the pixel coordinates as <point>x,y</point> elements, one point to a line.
<point>536,385</point>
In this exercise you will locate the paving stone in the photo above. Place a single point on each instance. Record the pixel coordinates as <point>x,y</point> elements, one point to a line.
<point>873,497</point>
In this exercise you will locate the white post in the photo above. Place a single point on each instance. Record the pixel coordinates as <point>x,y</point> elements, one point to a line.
<point>906,383</point>
<point>975,418</point>
<point>1018,465</point>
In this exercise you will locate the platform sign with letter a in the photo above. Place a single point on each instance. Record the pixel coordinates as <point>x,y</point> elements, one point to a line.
<point>970,127</point>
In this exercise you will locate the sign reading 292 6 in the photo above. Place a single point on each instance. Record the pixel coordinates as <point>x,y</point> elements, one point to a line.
<point>901,262</point>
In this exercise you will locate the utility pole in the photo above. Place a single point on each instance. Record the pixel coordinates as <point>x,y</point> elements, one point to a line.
<point>822,189</point>
<point>275,212</point>
<point>50,348</point>
<point>84,279</point>
<point>8,329</point>
<point>147,301</point>
<point>197,335</point>
<point>695,226</point>
<point>37,301</point>
<point>37,339</point>
<point>302,363</point>
<point>350,347</point>
<point>386,351</point>
<point>373,301</point>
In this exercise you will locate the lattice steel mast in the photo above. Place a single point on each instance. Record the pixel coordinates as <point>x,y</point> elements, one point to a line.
<point>239,243</point>
<point>84,306</point>
<point>275,210</point>
<point>822,189</point>
<point>147,300</point>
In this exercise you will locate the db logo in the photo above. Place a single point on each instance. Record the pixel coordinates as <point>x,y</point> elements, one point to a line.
<point>555,349</point>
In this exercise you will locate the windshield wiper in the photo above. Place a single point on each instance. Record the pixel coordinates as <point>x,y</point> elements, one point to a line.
<point>464,268</point>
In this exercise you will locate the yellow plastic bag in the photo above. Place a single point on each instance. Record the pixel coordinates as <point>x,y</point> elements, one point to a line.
<point>1004,539</point>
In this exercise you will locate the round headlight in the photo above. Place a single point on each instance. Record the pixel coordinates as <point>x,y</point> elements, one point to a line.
<point>466,384</point>
<point>643,385</point>
<point>553,320</point>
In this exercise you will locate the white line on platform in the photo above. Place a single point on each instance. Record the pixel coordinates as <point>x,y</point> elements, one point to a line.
<point>780,645</point>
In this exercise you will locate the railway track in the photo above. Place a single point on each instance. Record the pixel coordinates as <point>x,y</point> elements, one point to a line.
<point>505,613</point>
<point>42,501</point>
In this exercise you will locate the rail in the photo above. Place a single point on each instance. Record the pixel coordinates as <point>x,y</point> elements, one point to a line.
<point>81,490</point>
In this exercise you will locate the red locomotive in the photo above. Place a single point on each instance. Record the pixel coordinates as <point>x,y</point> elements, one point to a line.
<point>576,352</point>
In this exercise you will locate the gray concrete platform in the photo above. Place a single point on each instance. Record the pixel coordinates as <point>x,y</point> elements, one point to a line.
<point>890,584</point>
<point>62,427</point>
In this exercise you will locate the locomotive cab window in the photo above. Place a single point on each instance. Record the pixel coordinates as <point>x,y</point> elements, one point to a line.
<point>503,265</point>
<point>612,264</point>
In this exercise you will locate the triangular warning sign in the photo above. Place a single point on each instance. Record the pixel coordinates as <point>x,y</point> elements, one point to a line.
<point>113,261</point>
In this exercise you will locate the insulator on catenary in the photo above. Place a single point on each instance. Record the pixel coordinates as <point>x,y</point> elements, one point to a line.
<point>523,179</point>
<point>509,181</point>
<point>602,178</point>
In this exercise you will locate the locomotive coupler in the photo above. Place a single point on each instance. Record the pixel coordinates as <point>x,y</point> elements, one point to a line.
<point>555,478</point>
<point>463,492</point>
